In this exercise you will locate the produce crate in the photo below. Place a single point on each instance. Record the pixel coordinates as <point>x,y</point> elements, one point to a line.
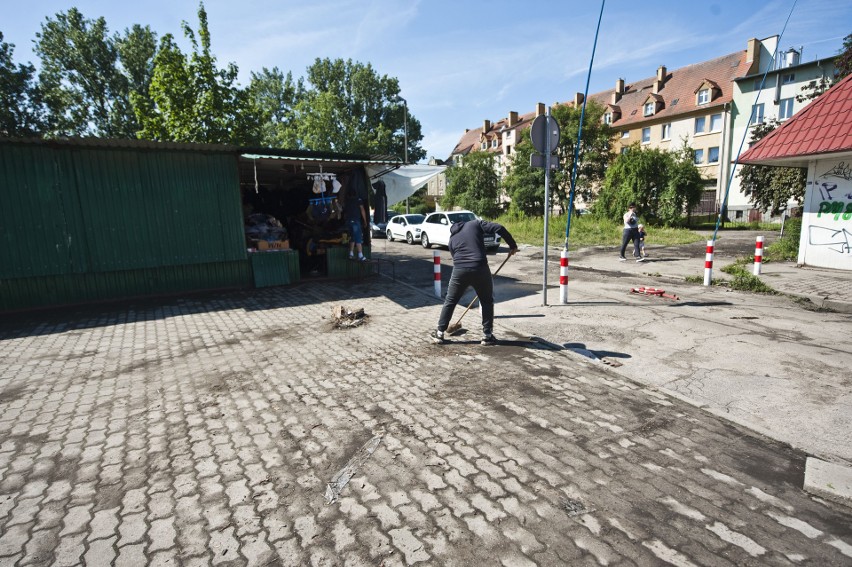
<point>340,266</point>
<point>275,267</point>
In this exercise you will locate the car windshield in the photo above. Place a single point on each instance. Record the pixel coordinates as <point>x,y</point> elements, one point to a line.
<point>461,217</point>
<point>415,219</point>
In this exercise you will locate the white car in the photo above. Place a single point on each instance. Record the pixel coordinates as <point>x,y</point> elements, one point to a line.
<point>405,227</point>
<point>436,229</point>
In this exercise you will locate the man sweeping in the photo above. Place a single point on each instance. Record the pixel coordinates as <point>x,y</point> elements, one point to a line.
<point>470,269</point>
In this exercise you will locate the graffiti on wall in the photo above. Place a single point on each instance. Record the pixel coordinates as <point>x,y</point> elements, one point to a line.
<point>835,193</point>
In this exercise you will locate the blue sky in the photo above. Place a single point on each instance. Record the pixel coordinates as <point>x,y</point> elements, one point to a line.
<point>460,62</point>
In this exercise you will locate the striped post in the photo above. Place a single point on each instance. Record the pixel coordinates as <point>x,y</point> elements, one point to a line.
<point>758,255</point>
<point>708,263</point>
<point>563,277</point>
<point>437,262</point>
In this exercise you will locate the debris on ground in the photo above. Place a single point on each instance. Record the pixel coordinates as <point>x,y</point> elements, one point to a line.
<point>653,291</point>
<point>343,317</point>
<point>344,475</point>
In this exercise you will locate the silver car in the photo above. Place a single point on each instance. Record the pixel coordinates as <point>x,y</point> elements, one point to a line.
<point>405,227</point>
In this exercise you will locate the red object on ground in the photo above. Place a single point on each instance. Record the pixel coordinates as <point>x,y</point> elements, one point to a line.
<point>653,291</point>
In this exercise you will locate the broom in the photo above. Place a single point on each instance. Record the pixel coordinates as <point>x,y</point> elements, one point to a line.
<point>456,327</point>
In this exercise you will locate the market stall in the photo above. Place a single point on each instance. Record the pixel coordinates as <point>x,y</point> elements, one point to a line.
<point>293,205</point>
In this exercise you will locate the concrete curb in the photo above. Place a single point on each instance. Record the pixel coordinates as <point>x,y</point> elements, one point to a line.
<point>829,480</point>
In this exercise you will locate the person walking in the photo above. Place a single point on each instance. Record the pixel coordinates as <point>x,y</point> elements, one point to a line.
<point>630,233</point>
<point>470,269</point>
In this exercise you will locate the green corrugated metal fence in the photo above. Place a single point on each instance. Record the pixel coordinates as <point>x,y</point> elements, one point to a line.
<point>82,224</point>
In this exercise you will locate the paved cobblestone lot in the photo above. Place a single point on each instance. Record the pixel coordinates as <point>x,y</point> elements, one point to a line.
<point>205,431</point>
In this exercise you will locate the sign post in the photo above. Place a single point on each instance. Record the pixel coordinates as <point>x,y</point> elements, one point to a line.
<point>544,135</point>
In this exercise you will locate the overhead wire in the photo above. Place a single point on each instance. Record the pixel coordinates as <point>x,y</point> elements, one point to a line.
<point>580,130</point>
<point>724,205</point>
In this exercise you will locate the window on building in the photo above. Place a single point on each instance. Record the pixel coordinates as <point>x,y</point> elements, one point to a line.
<point>788,78</point>
<point>716,123</point>
<point>608,118</point>
<point>785,108</point>
<point>508,150</point>
<point>666,133</point>
<point>649,109</point>
<point>625,133</point>
<point>699,156</point>
<point>646,135</point>
<point>757,114</point>
<point>625,149</point>
<point>713,155</point>
<point>484,145</point>
<point>703,96</point>
<point>494,143</point>
<point>700,124</point>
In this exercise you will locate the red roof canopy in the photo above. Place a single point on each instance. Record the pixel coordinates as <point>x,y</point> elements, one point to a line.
<point>823,127</point>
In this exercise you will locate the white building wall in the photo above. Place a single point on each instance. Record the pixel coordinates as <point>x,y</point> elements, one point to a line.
<point>826,239</point>
<point>746,95</point>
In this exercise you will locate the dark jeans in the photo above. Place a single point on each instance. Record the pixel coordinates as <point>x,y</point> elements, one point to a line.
<point>480,280</point>
<point>628,235</point>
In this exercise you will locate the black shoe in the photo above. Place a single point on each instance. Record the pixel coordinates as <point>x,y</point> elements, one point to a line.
<point>438,337</point>
<point>489,340</point>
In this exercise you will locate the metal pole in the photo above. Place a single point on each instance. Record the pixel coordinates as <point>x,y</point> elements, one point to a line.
<point>547,150</point>
<point>405,135</point>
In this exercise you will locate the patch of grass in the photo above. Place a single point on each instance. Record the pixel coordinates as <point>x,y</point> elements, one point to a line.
<point>744,281</point>
<point>694,279</point>
<point>589,231</point>
<point>786,248</point>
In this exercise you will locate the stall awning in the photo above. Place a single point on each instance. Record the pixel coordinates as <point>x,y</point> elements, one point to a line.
<point>404,181</point>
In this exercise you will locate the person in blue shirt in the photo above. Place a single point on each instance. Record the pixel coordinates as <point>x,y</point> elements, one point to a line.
<point>470,269</point>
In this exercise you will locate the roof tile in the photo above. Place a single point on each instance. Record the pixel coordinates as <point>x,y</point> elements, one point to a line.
<point>824,126</point>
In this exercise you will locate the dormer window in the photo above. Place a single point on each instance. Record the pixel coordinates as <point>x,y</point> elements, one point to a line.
<point>607,118</point>
<point>484,145</point>
<point>703,96</point>
<point>494,143</point>
<point>649,108</point>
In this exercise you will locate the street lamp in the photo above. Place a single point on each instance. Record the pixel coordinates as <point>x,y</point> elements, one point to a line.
<point>405,139</point>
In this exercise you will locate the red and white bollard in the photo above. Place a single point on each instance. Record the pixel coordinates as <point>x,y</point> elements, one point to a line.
<point>758,255</point>
<point>563,277</point>
<point>437,260</point>
<point>708,263</point>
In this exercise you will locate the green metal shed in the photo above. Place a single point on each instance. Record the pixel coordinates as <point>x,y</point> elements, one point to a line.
<point>87,220</point>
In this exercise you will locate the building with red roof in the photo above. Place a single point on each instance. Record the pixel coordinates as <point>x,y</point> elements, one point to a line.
<point>819,138</point>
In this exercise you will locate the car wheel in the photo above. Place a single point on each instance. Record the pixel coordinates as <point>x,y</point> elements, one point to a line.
<point>409,238</point>
<point>424,240</point>
<point>390,236</point>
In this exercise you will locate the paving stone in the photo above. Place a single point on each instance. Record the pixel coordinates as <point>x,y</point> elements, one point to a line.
<point>204,431</point>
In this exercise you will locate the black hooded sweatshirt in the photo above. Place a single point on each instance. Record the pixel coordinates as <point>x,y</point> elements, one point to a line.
<point>467,245</point>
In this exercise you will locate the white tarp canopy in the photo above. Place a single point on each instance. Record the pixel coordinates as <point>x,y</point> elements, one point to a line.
<point>404,181</point>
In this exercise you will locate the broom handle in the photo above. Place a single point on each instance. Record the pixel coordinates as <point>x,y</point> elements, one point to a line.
<point>475,297</point>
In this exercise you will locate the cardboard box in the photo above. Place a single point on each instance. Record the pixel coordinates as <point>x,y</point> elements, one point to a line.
<point>276,245</point>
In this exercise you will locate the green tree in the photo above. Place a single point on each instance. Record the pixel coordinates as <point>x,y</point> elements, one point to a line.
<point>273,98</point>
<point>473,185</point>
<point>771,188</point>
<point>684,186</point>
<point>191,99</point>
<point>522,183</point>
<point>525,184</point>
<point>595,150</point>
<point>20,105</point>
<point>82,84</point>
<point>664,185</point>
<point>348,107</point>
